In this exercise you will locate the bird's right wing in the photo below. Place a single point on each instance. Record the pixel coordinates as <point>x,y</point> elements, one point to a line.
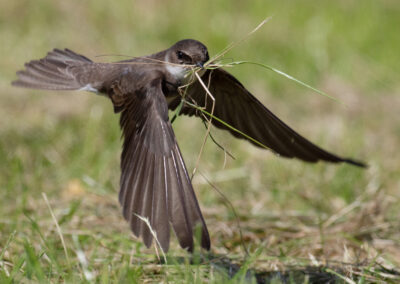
<point>67,70</point>
<point>154,181</point>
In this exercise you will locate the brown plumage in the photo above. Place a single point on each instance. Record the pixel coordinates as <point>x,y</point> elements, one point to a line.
<point>239,108</point>
<point>154,181</point>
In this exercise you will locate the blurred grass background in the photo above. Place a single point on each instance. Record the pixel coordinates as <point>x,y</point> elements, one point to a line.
<point>68,144</point>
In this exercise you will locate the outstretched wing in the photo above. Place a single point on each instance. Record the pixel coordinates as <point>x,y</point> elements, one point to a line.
<point>154,180</point>
<point>240,109</point>
<point>67,70</point>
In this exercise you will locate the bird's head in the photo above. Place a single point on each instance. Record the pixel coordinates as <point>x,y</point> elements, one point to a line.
<point>188,52</point>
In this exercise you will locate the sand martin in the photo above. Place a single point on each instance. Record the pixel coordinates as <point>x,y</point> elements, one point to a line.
<point>154,180</point>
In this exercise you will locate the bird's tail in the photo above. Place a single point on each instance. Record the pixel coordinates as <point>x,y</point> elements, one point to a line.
<point>53,72</point>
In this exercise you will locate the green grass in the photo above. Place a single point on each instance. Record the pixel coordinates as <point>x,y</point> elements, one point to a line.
<point>321,219</point>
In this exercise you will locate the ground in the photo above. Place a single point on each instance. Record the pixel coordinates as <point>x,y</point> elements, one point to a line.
<point>59,152</point>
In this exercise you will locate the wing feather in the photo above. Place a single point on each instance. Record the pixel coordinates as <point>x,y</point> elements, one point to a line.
<point>154,180</point>
<point>66,70</point>
<point>239,108</point>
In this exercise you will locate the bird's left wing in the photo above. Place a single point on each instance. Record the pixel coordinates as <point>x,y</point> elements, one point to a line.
<point>236,106</point>
<point>154,181</point>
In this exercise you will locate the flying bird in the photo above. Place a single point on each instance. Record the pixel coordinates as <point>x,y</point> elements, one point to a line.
<point>154,181</point>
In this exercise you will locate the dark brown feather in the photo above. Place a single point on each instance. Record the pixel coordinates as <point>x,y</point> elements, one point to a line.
<point>154,180</point>
<point>67,70</point>
<point>240,109</point>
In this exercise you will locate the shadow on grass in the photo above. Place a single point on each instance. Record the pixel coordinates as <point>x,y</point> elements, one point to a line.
<point>231,269</point>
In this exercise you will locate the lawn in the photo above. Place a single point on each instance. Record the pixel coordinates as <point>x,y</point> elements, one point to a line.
<point>60,220</point>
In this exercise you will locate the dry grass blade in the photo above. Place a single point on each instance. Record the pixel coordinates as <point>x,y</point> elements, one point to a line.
<point>281,73</point>
<point>82,259</point>
<point>152,61</point>
<point>226,152</point>
<point>116,55</point>
<point>58,227</point>
<point>344,278</point>
<point>233,44</point>
<point>3,251</point>
<point>226,124</point>
<point>9,240</point>
<point>229,203</point>
<point>209,122</point>
<point>154,234</point>
<point>344,211</point>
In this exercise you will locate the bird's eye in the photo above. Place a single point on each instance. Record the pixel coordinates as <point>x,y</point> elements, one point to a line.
<point>180,54</point>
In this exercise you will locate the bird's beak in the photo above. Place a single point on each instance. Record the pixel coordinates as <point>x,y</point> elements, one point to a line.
<point>200,64</point>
